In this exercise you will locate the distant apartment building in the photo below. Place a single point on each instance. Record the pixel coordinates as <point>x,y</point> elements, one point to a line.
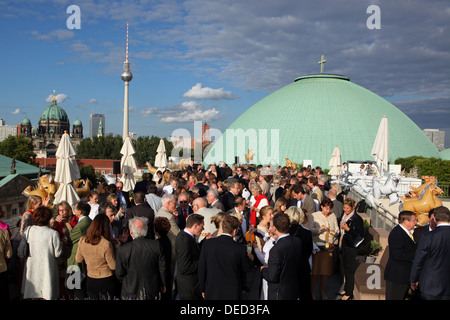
<point>6,130</point>
<point>437,137</point>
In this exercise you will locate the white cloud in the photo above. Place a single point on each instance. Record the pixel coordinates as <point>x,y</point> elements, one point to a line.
<point>200,92</point>
<point>144,55</point>
<point>17,111</point>
<point>188,112</point>
<point>58,34</point>
<point>148,111</point>
<point>61,97</point>
<point>80,47</point>
<point>85,104</point>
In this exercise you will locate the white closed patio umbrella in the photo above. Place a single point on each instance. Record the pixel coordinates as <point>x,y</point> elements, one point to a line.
<point>161,158</point>
<point>128,165</point>
<point>67,172</point>
<point>336,163</point>
<point>380,149</point>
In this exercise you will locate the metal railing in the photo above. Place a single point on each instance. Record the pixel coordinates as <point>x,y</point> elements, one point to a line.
<point>445,187</point>
<point>379,216</point>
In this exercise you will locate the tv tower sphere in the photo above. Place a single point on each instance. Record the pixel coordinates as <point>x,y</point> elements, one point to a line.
<point>126,75</point>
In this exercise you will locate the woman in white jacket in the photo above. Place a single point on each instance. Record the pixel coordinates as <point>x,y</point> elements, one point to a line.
<point>40,275</point>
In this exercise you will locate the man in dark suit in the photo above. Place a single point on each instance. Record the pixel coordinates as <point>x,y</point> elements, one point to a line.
<point>124,196</point>
<point>140,264</point>
<point>229,197</point>
<point>223,264</point>
<point>187,253</point>
<point>192,167</point>
<point>240,206</point>
<point>221,170</point>
<point>239,173</point>
<point>430,270</point>
<point>212,196</point>
<point>402,250</point>
<point>142,209</point>
<point>284,266</point>
<point>281,190</point>
<point>202,184</point>
<point>184,209</point>
<point>143,184</point>
<point>338,207</point>
<point>419,231</point>
<point>305,235</point>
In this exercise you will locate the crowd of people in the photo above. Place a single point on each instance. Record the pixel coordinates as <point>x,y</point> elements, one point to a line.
<point>219,233</point>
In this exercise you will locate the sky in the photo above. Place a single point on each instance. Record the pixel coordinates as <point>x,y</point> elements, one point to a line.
<point>210,60</point>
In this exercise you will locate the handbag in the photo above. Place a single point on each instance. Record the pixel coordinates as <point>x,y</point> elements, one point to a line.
<point>26,249</point>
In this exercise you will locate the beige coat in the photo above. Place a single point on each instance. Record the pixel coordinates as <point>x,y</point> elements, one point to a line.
<point>100,259</point>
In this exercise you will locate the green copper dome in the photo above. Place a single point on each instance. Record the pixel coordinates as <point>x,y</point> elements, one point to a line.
<point>77,122</point>
<point>306,119</point>
<point>26,121</point>
<point>54,112</point>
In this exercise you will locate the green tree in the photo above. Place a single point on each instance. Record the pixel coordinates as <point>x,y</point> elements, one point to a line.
<point>434,167</point>
<point>100,148</point>
<point>408,163</point>
<point>427,166</point>
<point>109,148</point>
<point>145,148</point>
<point>19,148</point>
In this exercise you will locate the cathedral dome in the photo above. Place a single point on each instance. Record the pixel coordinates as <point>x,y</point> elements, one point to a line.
<point>54,112</point>
<point>26,121</point>
<point>314,114</point>
<point>77,122</point>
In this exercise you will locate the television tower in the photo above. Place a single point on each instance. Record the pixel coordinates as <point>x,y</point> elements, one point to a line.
<point>126,77</point>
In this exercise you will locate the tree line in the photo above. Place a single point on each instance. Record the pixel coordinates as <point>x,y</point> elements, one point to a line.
<point>109,148</point>
<point>21,148</point>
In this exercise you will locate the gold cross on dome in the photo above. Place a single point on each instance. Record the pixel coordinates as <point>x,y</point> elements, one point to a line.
<point>321,62</point>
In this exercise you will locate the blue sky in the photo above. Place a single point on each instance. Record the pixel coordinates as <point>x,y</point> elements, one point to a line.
<point>212,60</point>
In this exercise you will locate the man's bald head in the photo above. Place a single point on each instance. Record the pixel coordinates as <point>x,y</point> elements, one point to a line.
<point>198,203</point>
<point>332,194</point>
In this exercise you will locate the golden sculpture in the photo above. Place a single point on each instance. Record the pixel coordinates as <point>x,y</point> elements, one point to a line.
<point>421,206</point>
<point>250,155</point>
<point>85,188</point>
<point>290,164</point>
<point>151,169</point>
<point>415,193</point>
<point>45,188</point>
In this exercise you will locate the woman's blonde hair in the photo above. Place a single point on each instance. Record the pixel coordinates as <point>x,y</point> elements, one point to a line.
<point>111,196</point>
<point>254,175</point>
<point>32,201</point>
<point>296,215</point>
<point>167,175</point>
<point>218,218</point>
<point>237,215</point>
<point>279,203</point>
